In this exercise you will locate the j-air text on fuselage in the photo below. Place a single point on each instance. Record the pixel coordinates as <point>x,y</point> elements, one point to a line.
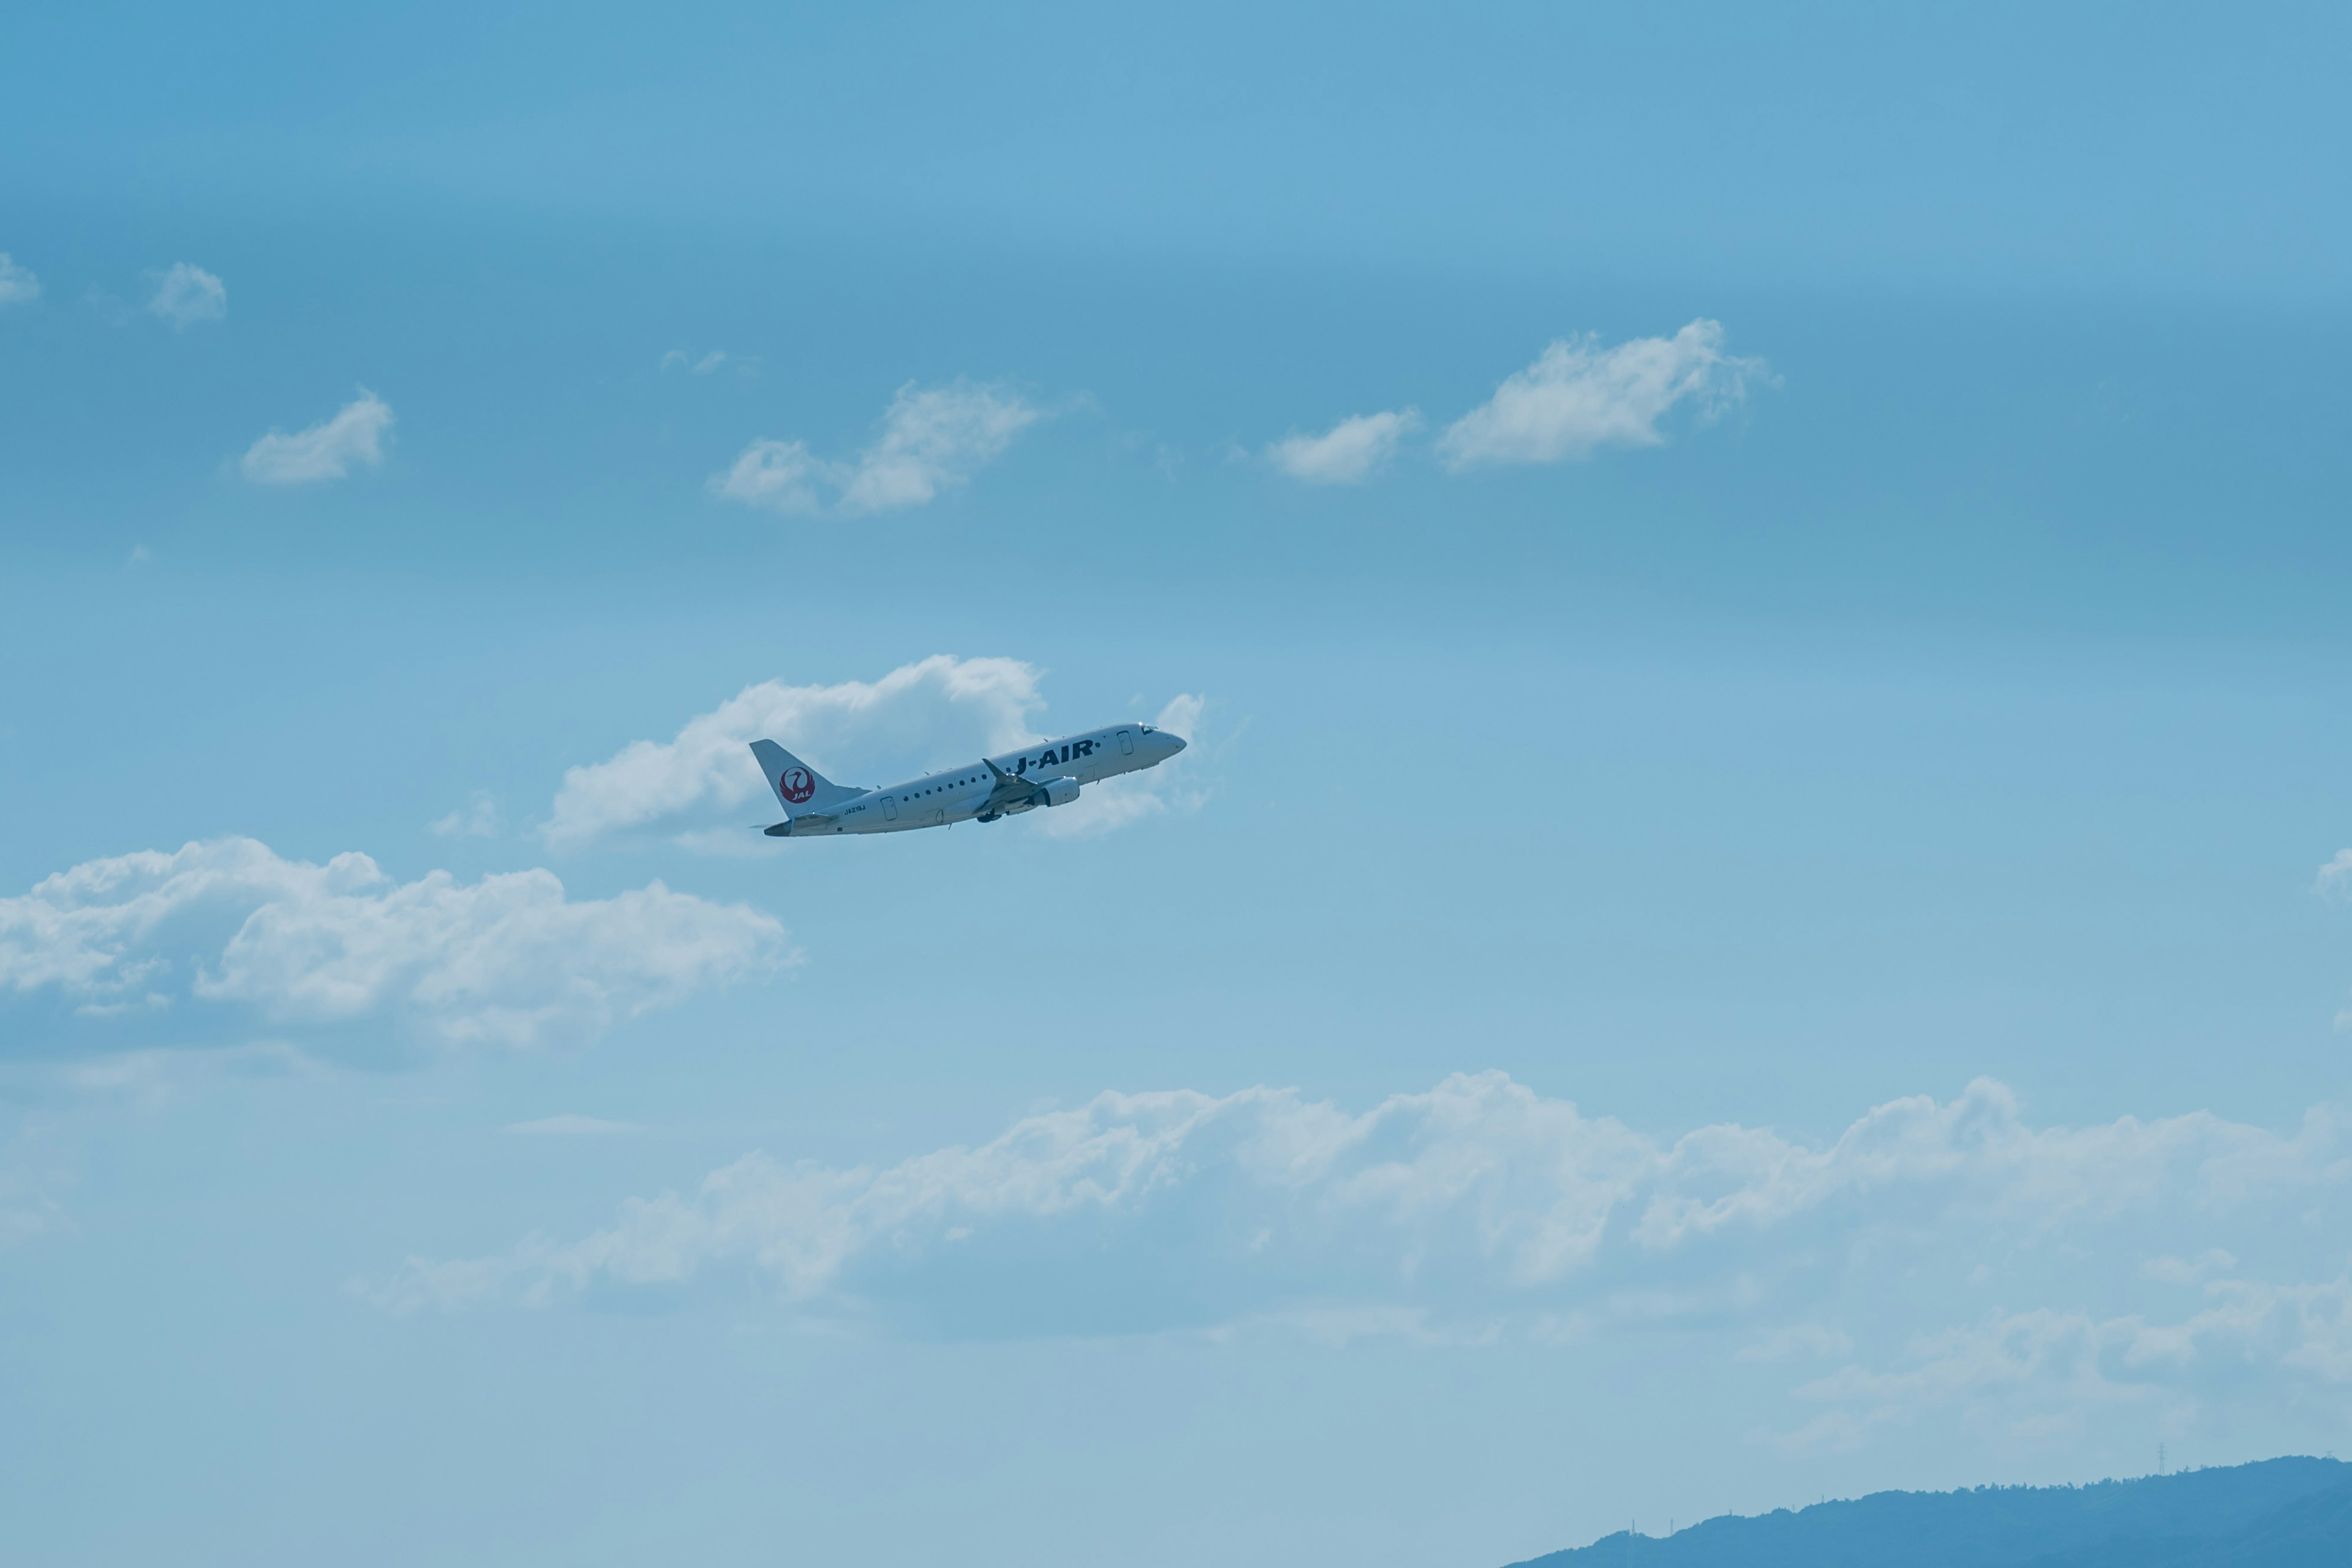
<point>1049,774</point>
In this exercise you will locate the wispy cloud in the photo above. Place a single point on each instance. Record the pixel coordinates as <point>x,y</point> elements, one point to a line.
<point>19,286</point>
<point>326,450</point>
<point>2334,881</point>
<point>478,818</point>
<point>931,440</point>
<point>187,294</point>
<point>507,961</point>
<point>779,475</point>
<point>570,1126</point>
<point>1579,396</point>
<point>31,1188</point>
<point>1348,453</point>
<point>2335,877</point>
<point>2043,1370</point>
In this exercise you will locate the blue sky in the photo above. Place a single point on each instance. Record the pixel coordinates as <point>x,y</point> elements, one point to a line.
<point>1754,911</point>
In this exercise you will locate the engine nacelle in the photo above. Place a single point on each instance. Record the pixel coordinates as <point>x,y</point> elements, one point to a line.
<point>1057,791</point>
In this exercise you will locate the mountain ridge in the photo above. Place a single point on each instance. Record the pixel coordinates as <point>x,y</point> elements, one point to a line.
<point>2289,1513</point>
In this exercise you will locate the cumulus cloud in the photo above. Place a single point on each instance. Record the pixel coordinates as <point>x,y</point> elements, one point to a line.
<point>325,450</point>
<point>507,961</point>
<point>1579,396</point>
<point>932,438</point>
<point>1880,1270</point>
<point>1479,1196</point>
<point>17,284</point>
<point>912,718</point>
<point>187,295</point>
<point>1348,453</point>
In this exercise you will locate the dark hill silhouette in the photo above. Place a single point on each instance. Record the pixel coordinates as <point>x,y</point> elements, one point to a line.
<point>2279,1513</point>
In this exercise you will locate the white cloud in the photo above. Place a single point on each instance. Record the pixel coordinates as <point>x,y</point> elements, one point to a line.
<point>508,961</point>
<point>2042,1372</point>
<point>17,284</point>
<point>932,439</point>
<point>1478,1202</point>
<point>324,451</point>
<point>1579,396</point>
<point>2335,877</point>
<point>152,1076</point>
<point>914,717</point>
<point>478,818</point>
<point>1879,1273</point>
<point>2189,1271</point>
<point>709,362</point>
<point>1347,454</point>
<point>1130,797</point>
<point>780,475</point>
<point>187,295</point>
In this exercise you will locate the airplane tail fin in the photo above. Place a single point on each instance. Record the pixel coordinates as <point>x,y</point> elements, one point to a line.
<point>798,787</point>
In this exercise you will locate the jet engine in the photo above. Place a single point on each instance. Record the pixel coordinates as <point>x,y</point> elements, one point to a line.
<point>1057,791</point>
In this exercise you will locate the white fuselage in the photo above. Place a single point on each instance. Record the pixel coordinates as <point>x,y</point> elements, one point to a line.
<point>1045,774</point>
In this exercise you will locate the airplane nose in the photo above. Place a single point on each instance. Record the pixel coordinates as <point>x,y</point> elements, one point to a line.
<point>1175,744</point>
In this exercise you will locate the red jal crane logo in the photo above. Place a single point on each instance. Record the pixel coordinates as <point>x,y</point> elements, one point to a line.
<point>797,785</point>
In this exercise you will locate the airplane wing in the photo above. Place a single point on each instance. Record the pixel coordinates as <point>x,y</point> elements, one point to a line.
<point>1010,787</point>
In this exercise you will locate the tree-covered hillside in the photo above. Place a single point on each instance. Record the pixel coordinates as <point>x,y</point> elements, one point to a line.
<point>2279,1513</point>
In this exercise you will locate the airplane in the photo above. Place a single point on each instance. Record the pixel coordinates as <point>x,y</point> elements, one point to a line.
<point>1047,774</point>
